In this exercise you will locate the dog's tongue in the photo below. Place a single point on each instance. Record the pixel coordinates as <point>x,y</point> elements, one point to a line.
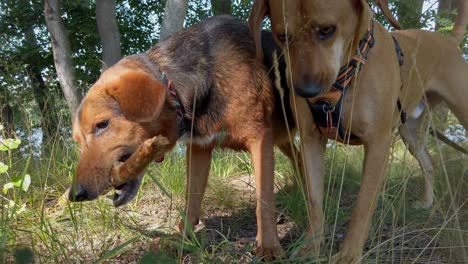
<point>159,159</point>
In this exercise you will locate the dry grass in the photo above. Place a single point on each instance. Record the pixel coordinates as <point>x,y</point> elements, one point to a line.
<point>55,231</point>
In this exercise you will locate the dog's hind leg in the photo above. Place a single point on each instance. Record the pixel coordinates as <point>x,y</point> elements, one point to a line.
<point>261,150</point>
<point>313,145</point>
<point>451,85</point>
<point>198,168</point>
<point>412,133</point>
<point>290,151</point>
<point>294,156</point>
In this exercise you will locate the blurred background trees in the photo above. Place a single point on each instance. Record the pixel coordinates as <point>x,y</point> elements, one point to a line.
<point>38,93</point>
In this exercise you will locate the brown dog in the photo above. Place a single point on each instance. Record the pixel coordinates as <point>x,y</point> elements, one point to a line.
<point>319,37</point>
<point>202,85</point>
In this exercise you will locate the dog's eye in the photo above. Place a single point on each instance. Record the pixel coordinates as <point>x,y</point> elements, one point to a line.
<point>125,157</point>
<point>326,32</point>
<point>282,37</point>
<point>101,126</point>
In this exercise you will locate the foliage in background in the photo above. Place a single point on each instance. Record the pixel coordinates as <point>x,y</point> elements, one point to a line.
<point>97,231</point>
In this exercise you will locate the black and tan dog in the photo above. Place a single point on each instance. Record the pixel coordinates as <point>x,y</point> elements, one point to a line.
<point>202,85</point>
<point>339,57</point>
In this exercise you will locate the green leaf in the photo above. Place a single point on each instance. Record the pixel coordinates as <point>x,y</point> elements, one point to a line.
<point>23,183</point>
<point>158,257</point>
<point>26,182</point>
<point>9,144</point>
<point>115,251</point>
<point>3,167</point>
<point>7,187</point>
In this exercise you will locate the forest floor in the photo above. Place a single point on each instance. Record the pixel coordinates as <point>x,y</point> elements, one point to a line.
<point>51,230</point>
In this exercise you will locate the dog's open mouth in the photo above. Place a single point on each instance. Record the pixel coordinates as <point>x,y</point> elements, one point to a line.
<point>126,192</point>
<point>159,159</point>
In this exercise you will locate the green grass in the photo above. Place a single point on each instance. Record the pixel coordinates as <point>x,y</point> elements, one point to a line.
<point>53,231</point>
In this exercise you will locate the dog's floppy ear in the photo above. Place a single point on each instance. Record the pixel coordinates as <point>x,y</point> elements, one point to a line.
<point>258,13</point>
<point>139,95</point>
<point>364,13</point>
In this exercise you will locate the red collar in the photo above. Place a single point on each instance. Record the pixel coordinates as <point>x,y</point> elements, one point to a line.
<point>178,105</point>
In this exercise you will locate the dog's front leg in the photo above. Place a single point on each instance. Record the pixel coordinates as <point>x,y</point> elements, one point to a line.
<point>198,168</point>
<point>375,161</point>
<point>261,149</point>
<point>313,148</point>
<point>313,145</point>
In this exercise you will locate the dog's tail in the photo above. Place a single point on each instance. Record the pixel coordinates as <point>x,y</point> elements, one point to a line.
<point>446,140</point>
<point>461,22</point>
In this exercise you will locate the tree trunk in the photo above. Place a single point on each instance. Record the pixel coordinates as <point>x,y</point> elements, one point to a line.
<point>174,15</point>
<point>409,13</point>
<point>108,32</point>
<point>221,7</point>
<point>6,119</point>
<point>42,96</point>
<point>62,53</point>
<point>445,10</point>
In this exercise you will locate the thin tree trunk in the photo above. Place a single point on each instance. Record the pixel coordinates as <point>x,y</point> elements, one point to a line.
<point>6,119</point>
<point>62,53</point>
<point>42,96</point>
<point>221,7</point>
<point>445,10</point>
<point>174,15</point>
<point>108,32</point>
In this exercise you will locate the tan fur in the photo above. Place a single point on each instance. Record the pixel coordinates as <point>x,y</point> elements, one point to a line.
<point>433,67</point>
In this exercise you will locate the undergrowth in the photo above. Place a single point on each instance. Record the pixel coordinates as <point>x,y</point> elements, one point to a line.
<point>38,224</point>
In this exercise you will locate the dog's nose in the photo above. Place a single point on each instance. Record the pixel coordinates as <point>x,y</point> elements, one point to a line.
<point>309,90</point>
<point>78,193</point>
<point>308,87</point>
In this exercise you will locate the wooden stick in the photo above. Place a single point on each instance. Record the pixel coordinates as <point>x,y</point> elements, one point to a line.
<point>137,163</point>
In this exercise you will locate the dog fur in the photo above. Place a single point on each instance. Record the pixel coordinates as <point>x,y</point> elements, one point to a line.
<point>229,102</point>
<point>434,69</point>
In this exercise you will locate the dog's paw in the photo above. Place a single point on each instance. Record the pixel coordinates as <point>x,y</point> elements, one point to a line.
<point>269,251</point>
<point>346,258</point>
<point>425,202</point>
<point>308,251</point>
<point>420,204</point>
<point>186,228</point>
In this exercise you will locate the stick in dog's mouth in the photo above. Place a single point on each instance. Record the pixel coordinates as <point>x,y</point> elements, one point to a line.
<point>125,176</point>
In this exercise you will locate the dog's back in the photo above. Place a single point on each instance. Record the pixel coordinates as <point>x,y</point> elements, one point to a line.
<point>215,50</point>
<point>428,56</point>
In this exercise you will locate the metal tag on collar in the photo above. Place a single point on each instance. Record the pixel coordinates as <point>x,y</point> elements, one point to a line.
<point>328,108</point>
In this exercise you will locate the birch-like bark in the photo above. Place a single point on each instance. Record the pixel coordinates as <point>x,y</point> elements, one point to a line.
<point>62,53</point>
<point>174,15</point>
<point>108,32</point>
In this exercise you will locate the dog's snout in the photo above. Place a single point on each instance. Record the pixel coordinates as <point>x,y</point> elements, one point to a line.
<point>78,193</point>
<point>308,87</point>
